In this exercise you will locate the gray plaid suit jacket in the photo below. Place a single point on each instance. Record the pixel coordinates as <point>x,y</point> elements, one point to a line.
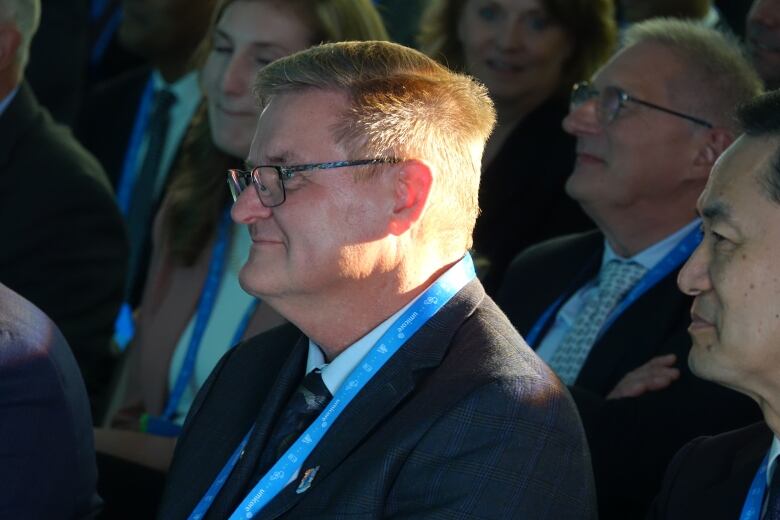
<point>463,422</point>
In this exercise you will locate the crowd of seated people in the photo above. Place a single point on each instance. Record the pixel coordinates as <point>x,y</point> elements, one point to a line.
<point>528,55</point>
<point>217,253</point>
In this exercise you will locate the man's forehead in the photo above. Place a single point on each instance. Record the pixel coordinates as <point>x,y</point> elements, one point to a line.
<point>294,126</point>
<point>639,68</point>
<point>742,168</point>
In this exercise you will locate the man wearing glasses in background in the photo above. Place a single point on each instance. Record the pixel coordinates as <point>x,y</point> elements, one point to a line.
<point>602,308</point>
<point>400,390</point>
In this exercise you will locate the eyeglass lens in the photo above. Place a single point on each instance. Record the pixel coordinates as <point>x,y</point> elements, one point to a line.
<point>608,102</point>
<point>266,182</point>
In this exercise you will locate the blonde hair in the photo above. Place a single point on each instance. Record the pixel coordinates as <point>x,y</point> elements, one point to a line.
<point>718,77</point>
<point>402,104</point>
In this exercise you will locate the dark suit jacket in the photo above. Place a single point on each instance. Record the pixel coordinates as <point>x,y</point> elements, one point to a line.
<point>108,138</point>
<point>463,421</point>
<point>47,457</point>
<point>59,54</point>
<point>632,439</point>
<point>107,118</point>
<point>710,477</point>
<point>63,241</point>
<point>521,193</point>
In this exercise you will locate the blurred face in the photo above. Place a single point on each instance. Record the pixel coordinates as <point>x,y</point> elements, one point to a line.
<point>514,47</point>
<point>164,29</point>
<point>639,161</point>
<point>734,274</point>
<point>326,238</point>
<point>763,40</point>
<point>249,35</point>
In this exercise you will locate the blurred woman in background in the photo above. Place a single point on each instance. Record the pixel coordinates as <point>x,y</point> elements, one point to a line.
<point>529,54</point>
<point>193,310</point>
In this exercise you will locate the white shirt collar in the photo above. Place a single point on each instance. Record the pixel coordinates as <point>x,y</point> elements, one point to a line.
<point>649,257</point>
<point>186,87</point>
<point>336,372</point>
<point>774,451</point>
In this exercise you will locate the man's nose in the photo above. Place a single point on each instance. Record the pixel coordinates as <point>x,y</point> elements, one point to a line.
<point>583,119</point>
<point>694,277</point>
<point>248,208</point>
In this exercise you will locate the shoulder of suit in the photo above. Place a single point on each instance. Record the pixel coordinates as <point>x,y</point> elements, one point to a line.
<point>46,144</point>
<point>563,250</point>
<point>734,440</point>
<point>26,333</point>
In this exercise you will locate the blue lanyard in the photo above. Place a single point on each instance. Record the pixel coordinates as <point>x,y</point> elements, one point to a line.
<point>668,263</point>
<point>102,42</point>
<point>754,501</point>
<point>127,179</point>
<point>162,425</point>
<point>277,478</point>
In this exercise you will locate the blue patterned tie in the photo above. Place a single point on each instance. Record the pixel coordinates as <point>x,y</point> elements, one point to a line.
<point>309,399</point>
<point>615,280</point>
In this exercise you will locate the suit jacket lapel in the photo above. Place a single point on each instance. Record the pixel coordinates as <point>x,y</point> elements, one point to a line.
<point>382,394</point>
<point>561,278</point>
<point>726,498</point>
<point>244,476</point>
<point>16,120</point>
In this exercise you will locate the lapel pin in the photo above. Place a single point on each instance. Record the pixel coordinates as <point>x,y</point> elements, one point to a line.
<point>306,480</point>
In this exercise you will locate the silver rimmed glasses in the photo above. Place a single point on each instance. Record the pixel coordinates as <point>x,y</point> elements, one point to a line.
<point>610,99</point>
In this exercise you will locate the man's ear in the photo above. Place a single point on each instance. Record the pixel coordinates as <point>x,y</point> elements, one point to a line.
<point>10,40</point>
<point>412,185</point>
<point>715,143</point>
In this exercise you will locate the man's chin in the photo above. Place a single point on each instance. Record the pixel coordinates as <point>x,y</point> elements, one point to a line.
<point>701,360</point>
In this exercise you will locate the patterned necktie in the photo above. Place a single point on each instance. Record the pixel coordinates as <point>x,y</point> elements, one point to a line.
<point>615,280</point>
<point>309,399</point>
<point>142,202</point>
<point>773,498</point>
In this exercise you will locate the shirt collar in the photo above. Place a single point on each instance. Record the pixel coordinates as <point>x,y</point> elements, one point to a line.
<point>186,87</point>
<point>649,257</point>
<point>336,372</point>
<point>774,451</point>
<point>7,100</point>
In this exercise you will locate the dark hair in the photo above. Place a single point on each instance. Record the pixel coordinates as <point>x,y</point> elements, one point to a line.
<point>589,23</point>
<point>761,117</point>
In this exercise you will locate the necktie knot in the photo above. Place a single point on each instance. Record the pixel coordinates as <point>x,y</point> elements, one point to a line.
<point>617,277</point>
<point>164,99</point>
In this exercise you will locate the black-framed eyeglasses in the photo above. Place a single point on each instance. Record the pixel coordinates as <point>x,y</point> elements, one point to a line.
<point>611,99</point>
<point>272,182</point>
